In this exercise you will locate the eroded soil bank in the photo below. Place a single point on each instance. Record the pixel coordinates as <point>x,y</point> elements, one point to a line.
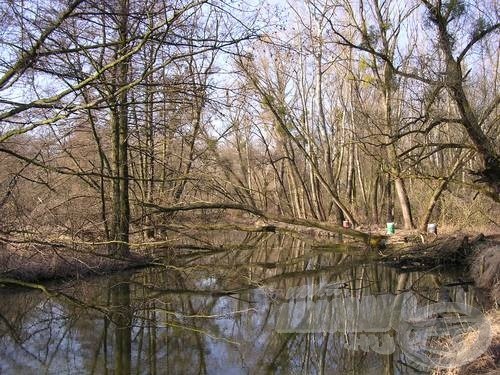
<point>40,263</point>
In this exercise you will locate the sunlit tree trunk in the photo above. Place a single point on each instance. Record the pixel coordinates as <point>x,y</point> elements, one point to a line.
<point>119,130</point>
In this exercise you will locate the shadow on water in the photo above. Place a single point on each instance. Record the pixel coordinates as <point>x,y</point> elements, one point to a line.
<point>237,305</point>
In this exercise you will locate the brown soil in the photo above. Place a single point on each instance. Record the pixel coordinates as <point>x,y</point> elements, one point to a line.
<point>33,263</point>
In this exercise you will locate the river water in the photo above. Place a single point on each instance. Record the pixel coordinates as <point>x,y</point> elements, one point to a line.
<point>244,304</point>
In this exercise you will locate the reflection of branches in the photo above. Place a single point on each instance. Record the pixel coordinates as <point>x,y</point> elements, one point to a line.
<point>179,315</point>
<point>198,331</point>
<point>16,337</point>
<point>62,338</point>
<point>53,294</point>
<point>11,329</point>
<point>214,293</point>
<point>341,267</point>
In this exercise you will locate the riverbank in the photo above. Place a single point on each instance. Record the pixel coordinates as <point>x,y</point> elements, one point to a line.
<point>39,263</point>
<point>482,265</point>
<point>406,251</point>
<point>479,256</point>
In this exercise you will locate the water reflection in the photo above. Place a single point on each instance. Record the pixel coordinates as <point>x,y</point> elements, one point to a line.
<point>121,315</point>
<point>214,312</point>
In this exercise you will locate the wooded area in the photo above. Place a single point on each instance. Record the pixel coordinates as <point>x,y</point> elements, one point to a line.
<point>118,118</point>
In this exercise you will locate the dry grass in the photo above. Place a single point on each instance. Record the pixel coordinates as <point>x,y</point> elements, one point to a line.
<point>488,362</point>
<point>485,269</point>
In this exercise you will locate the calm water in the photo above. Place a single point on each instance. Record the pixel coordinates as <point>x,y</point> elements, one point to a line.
<point>214,311</point>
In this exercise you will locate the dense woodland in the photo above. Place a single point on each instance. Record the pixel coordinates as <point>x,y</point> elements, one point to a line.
<point>119,118</point>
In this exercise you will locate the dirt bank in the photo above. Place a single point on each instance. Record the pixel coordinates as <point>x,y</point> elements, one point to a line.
<point>35,263</point>
<point>418,252</point>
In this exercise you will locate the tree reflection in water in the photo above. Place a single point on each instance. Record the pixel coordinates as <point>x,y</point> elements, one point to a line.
<point>121,315</point>
<point>213,312</point>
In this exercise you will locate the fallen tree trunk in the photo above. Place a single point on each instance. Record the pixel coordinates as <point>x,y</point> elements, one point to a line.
<point>256,227</point>
<point>309,223</point>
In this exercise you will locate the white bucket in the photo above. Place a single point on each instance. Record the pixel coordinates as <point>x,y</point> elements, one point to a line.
<point>432,228</point>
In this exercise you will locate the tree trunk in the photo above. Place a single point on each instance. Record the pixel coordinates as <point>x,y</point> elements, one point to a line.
<point>404,202</point>
<point>350,175</point>
<point>119,124</point>
<point>389,201</point>
<point>392,157</point>
<point>490,162</point>
<point>439,190</point>
<point>374,200</point>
